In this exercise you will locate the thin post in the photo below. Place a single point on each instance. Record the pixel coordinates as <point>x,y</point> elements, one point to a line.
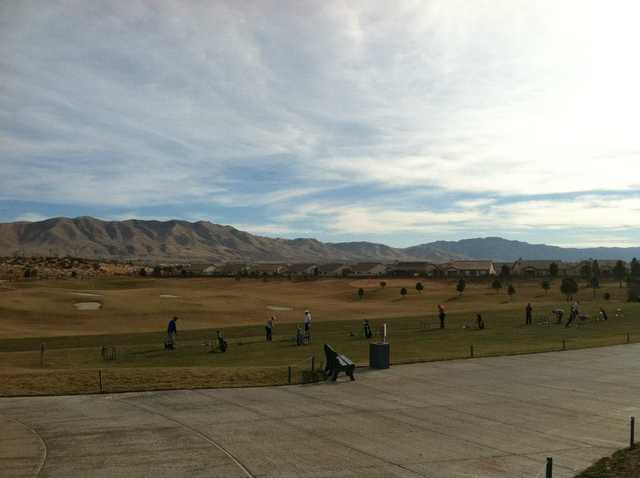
<point>289,370</point>
<point>632,432</point>
<point>564,344</point>
<point>313,363</point>
<point>100,379</point>
<point>471,351</point>
<point>628,338</point>
<point>42,355</point>
<point>549,473</point>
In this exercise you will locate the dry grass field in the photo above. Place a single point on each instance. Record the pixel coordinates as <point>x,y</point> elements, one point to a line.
<point>134,313</point>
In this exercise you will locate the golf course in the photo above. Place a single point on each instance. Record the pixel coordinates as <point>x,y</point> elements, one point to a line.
<point>51,342</point>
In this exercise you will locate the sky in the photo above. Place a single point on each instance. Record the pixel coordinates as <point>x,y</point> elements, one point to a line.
<point>398,122</point>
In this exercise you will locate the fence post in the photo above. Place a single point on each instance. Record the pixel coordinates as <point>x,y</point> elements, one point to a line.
<point>289,370</point>
<point>42,355</point>
<point>632,432</point>
<point>549,473</point>
<point>471,351</point>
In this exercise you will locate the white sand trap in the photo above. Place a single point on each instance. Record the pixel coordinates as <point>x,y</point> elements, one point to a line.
<point>86,294</point>
<point>168,296</point>
<point>88,305</point>
<point>279,307</point>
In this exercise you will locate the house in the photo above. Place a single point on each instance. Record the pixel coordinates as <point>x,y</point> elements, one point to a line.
<point>607,268</point>
<point>302,269</point>
<point>232,269</point>
<point>499,267</point>
<point>469,269</point>
<point>524,268</point>
<point>412,269</point>
<point>335,269</point>
<point>210,270</point>
<point>269,269</point>
<point>367,269</point>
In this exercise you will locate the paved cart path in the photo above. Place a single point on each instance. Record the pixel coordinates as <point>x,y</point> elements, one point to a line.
<point>491,417</point>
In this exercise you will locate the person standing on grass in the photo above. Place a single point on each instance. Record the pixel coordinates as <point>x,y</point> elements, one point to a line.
<point>573,314</point>
<point>367,329</point>
<point>171,333</point>
<point>441,315</point>
<point>269,328</point>
<point>528,314</point>
<point>603,314</point>
<point>307,321</point>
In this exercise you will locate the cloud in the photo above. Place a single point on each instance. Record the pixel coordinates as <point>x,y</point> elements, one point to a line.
<point>455,107</point>
<point>29,217</point>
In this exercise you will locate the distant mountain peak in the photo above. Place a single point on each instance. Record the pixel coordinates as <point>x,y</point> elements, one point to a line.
<point>202,241</point>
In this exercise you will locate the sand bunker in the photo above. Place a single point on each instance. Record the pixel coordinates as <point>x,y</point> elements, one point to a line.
<point>168,296</point>
<point>278,307</point>
<point>86,294</point>
<point>88,305</point>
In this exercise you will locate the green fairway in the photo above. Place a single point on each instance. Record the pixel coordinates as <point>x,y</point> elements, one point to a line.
<point>414,331</point>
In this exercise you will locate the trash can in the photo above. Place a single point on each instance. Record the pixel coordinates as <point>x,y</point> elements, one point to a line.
<point>379,355</point>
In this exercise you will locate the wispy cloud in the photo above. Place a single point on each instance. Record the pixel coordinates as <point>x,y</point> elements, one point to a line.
<point>398,119</point>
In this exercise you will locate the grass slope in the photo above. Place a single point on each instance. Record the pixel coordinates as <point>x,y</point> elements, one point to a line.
<point>133,319</point>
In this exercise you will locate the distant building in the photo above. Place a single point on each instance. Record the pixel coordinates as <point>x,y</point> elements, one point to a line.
<point>232,269</point>
<point>525,268</point>
<point>367,269</point>
<point>269,269</point>
<point>469,269</point>
<point>607,268</point>
<point>302,270</point>
<point>332,270</point>
<point>413,269</point>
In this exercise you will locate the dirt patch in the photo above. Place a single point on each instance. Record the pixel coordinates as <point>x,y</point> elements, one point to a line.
<point>279,308</point>
<point>88,305</point>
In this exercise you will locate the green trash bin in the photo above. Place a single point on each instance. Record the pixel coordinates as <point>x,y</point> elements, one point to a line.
<point>379,356</point>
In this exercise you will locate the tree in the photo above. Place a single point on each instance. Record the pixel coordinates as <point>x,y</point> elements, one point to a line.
<point>620,272</point>
<point>157,271</point>
<point>586,270</point>
<point>505,271</point>
<point>383,284</point>
<point>546,285</point>
<point>496,285</point>
<point>142,272</point>
<point>461,286</point>
<point>569,287</point>
<point>635,269</point>
<point>419,287</point>
<point>554,269</point>
<point>403,291</point>
<point>595,284</point>
<point>595,269</point>
<point>511,291</point>
<point>361,292</point>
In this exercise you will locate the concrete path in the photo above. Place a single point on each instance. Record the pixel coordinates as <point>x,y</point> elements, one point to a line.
<point>495,417</point>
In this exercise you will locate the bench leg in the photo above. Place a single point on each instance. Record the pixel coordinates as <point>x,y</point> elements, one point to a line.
<point>351,375</point>
<point>334,377</point>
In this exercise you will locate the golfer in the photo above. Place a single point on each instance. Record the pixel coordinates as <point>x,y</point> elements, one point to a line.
<point>171,333</point>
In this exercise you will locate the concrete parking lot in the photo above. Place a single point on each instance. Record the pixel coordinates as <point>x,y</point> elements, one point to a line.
<point>487,417</point>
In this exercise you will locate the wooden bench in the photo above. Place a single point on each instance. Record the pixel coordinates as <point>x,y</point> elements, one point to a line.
<point>336,363</point>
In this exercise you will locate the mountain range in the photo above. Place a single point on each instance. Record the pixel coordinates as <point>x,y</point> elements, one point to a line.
<point>202,241</point>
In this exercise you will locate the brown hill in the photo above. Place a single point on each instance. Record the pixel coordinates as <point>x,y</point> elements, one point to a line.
<point>172,241</point>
